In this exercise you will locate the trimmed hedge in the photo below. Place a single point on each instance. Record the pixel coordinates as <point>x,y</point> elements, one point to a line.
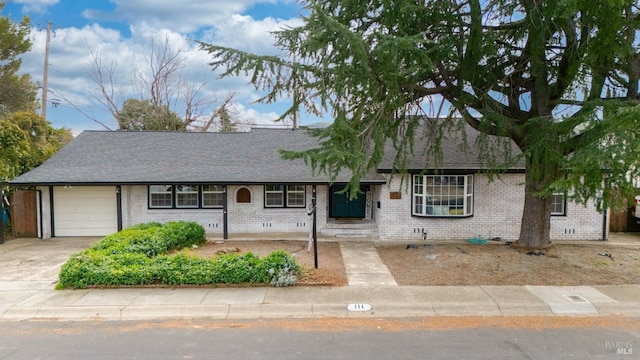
<point>138,256</point>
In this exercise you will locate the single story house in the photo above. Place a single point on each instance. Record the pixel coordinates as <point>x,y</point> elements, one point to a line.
<point>237,183</point>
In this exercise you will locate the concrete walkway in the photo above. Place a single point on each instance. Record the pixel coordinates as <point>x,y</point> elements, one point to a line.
<point>363,265</point>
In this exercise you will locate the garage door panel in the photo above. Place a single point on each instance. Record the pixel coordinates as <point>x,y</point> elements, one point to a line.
<point>86,204</point>
<point>83,224</point>
<point>85,211</point>
<point>85,215</point>
<point>82,232</point>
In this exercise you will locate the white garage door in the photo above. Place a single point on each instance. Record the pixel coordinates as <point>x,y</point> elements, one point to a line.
<point>85,210</point>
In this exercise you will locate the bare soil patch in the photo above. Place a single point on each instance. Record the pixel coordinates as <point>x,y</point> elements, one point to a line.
<point>460,264</point>
<point>499,264</point>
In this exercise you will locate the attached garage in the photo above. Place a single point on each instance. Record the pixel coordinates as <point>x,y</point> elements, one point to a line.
<point>85,210</point>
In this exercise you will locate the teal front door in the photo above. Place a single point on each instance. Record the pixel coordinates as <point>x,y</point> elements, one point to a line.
<point>342,207</point>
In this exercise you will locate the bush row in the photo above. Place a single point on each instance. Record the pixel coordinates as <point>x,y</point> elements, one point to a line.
<point>138,256</point>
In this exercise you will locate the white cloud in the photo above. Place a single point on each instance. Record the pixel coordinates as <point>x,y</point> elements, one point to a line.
<point>153,20</point>
<point>188,17</point>
<point>36,6</point>
<point>245,33</point>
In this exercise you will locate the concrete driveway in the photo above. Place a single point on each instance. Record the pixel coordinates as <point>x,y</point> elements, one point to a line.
<point>33,263</point>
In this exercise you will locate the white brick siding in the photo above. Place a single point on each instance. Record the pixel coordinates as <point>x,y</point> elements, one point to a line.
<point>242,218</point>
<point>497,212</point>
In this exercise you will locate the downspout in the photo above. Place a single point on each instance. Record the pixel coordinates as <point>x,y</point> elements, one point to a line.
<point>314,228</point>
<point>225,230</point>
<point>1,212</point>
<point>40,225</point>
<point>604,225</point>
<point>119,206</point>
<point>53,228</point>
<point>604,212</point>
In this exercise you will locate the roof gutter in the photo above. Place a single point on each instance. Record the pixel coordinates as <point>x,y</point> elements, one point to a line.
<point>174,182</point>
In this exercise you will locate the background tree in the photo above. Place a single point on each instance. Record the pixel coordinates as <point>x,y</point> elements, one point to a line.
<point>139,115</point>
<point>26,141</point>
<point>559,79</point>
<point>226,124</point>
<point>161,82</point>
<point>17,92</point>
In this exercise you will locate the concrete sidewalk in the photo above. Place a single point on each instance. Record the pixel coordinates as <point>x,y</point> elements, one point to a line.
<point>19,304</point>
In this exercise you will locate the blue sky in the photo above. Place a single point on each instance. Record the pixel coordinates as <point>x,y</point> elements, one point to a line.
<point>122,32</point>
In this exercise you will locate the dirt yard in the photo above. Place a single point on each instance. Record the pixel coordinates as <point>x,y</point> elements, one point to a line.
<point>499,264</point>
<point>462,264</point>
<point>330,270</point>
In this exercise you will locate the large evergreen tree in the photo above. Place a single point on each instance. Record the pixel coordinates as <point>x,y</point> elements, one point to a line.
<point>557,78</point>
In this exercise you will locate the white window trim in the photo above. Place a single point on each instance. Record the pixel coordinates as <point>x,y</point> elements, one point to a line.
<point>211,192</point>
<point>564,205</point>
<point>421,197</point>
<point>284,196</point>
<point>170,192</point>
<point>303,192</point>
<point>183,192</point>
<point>281,192</point>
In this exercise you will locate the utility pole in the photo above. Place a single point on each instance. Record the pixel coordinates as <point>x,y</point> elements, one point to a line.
<point>45,75</point>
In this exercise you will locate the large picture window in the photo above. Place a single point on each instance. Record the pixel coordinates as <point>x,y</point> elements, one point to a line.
<point>284,196</point>
<point>442,195</point>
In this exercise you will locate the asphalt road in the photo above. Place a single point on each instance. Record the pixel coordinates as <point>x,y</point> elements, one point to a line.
<point>319,339</point>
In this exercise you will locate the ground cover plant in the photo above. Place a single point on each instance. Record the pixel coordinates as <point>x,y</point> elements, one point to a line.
<point>149,254</point>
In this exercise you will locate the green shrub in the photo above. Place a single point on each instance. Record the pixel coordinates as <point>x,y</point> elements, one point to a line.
<point>281,267</point>
<point>137,256</point>
<point>145,226</point>
<point>182,270</point>
<point>152,239</point>
<point>186,234</point>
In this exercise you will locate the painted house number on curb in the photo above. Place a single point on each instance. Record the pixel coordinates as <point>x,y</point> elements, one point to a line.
<point>358,307</point>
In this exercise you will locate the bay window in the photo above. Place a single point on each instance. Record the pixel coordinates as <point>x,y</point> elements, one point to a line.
<point>442,195</point>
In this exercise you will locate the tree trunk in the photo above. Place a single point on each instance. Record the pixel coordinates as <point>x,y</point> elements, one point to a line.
<point>536,216</point>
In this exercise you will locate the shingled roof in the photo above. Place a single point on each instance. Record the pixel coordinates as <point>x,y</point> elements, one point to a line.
<point>139,157</point>
<point>119,157</point>
<point>455,156</point>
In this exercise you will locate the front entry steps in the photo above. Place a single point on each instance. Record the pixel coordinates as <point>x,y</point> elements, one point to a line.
<point>351,228</point>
